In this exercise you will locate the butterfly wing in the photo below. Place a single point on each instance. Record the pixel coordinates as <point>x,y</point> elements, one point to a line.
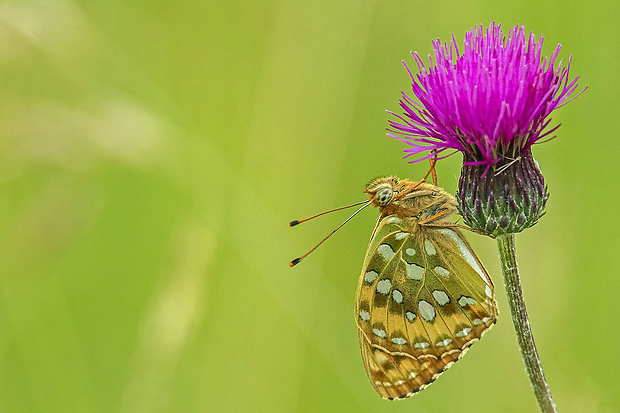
<point>423,298</point>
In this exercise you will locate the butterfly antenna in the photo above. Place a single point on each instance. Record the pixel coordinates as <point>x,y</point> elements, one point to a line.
<point>298,260</point>
<point>297,222</point>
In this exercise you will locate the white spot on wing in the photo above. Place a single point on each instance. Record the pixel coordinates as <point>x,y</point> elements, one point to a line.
<point>397,296</point>
<point>422,344</point>
<point>410,316</point>
<point>378,332</point>
<point>399,340</point>
<point>370,276</point>
<point>444,343</point>
<point>414,271</point>
<point>364,315</point>
<point>427,311</point>
<point>401,235</point>
<point>488,291</point>
<point>466,252</point>
<point>394,220</point>
<point>384,286</point>
<point>463,332</point>
<point>464,301</point>
<point>441,297</point>
<point>410,252</point>
<point>386,250</point>
<point>429,247</point>
<point>439,270</point>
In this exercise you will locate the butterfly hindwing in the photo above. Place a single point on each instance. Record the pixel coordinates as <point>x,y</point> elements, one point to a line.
<point>475,290</point>
<point>423,298</point>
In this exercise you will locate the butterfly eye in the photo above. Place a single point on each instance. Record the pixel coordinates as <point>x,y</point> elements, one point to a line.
<point>384,196</point>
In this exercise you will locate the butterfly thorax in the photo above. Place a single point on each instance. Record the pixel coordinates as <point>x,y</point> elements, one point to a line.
<point>411,199</point>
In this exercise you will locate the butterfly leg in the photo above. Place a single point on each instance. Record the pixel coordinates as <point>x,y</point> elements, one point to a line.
<point>432,171</point>
<point>454,225</point>
<point>438,215</point>
<point>428,222</point>
<point>475,231</point>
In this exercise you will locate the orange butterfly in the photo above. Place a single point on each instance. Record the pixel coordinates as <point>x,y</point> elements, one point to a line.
<point>423,297</point>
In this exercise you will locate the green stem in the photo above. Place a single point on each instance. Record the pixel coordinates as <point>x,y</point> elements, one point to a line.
<point>508,257</point>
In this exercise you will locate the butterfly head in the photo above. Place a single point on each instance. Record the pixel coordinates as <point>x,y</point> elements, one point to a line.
<point>381,191</point>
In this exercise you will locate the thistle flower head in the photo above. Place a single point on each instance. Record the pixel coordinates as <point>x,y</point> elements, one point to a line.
<point>491,101</point>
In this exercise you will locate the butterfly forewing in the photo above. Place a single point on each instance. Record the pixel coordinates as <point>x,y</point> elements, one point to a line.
<point>423,298</point>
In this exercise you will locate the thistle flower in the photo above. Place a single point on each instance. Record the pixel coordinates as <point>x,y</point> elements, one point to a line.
<point>491,102</point>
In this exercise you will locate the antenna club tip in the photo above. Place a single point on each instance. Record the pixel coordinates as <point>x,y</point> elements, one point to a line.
<point>295,262</point>
<point>293,223</point>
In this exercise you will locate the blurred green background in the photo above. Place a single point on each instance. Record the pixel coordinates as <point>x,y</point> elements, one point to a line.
<point>153,152</point>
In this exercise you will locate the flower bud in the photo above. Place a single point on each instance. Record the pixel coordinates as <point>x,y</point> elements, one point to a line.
<point>506,197</point>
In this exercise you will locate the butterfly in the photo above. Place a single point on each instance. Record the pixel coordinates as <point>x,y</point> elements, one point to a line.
<point>423,297</point>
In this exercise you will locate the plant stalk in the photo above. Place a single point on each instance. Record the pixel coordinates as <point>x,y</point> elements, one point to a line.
<point>508,257</point>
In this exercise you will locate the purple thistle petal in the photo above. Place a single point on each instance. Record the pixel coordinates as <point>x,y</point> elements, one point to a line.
<point>493,95</point>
